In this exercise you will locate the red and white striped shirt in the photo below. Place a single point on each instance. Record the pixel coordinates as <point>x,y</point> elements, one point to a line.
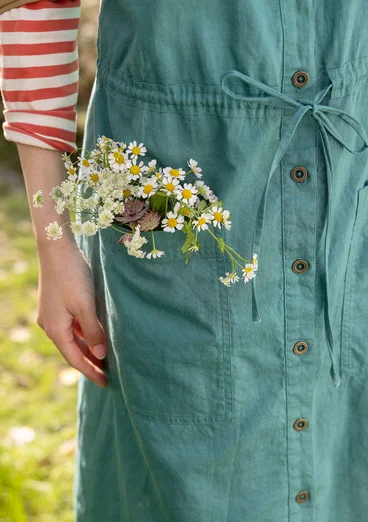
<point>39,73</point>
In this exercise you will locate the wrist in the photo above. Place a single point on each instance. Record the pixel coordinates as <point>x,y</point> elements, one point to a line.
<point>47,246</point>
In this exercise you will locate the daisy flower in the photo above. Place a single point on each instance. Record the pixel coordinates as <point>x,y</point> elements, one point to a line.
<point>136,150</point>
<point>202,222</point>
<point>175,173</point>
<point>188,194</point>
<point>127,192</point>
<point>152,165</point>
<point>148,187</point>
<point>248,272</point>
<point>203,189</point>
<point>54,231</point>
<point>121,145</point>
<point>135,170</point>
<point>231,277</point>
<point>173,222</point>
<point>94,177</point>
<point>220,217</point>
<point>194,167</point>
<point>255,262</point>
<point>177,207</point>
<point>72,173</point>
<point>169,184</point>
<point>159,174</point>
<point>119,161</point>
<point>155,253</point>
<point>85,165</point>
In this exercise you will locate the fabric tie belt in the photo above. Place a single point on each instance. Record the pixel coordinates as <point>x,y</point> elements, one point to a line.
<point>325,127</point>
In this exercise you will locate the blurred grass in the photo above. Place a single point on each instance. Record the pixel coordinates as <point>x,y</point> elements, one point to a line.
<point>36,476</point>
<point>37,387</point>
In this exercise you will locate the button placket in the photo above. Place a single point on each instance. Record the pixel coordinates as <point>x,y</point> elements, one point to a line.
<point>299,237</point>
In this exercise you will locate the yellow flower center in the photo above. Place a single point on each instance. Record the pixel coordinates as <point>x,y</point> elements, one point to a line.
<point>119,158</point>
<point>71,170</point>
<point>135,169</point>
<point>186,211</point>
<point>248,269</point>
<point>170,187</point>
<point>94,177</point>
<point>147,188</point>
<point>187,194</point>
<point>136,150</point>
<point>126,193</point>
<point>201,221</point>
<point>218,216</point>
<point>175,173</point>
<point>172,222</point>
<point>85,162</point>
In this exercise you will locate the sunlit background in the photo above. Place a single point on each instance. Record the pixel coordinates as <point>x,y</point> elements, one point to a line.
<point>37,387</point>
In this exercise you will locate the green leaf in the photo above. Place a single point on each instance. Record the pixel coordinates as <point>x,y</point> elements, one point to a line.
<point>158,202</point>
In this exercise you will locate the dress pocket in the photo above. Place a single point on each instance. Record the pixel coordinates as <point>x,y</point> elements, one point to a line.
<point>169,328</point>
<point>355,309</point>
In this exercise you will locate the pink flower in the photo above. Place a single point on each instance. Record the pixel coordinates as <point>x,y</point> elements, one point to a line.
<point>125,238</point>
<point>149,221</point>
<point>134,209</point>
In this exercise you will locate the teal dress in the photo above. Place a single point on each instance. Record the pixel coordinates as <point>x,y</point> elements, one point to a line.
<point>243,403</point>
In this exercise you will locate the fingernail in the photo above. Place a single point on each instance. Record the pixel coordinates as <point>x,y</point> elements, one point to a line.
<point>99,351</point>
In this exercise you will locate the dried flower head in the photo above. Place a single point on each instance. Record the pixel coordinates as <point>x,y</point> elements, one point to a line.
<point>149,221</point>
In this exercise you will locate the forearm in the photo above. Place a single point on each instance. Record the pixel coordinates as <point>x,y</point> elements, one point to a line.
<point>44,169</point>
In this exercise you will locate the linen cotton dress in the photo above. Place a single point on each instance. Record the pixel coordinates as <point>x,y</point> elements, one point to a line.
<point>246,403</point>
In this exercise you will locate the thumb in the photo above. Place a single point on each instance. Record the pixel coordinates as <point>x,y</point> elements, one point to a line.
<point>93,332</point>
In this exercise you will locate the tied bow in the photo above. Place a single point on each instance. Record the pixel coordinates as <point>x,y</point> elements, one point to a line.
<point>325,126</point>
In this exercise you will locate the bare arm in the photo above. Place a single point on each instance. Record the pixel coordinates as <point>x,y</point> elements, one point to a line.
<point>66,289</point>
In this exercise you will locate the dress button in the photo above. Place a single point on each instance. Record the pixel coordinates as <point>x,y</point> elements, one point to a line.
<point>300,266</point>
<point>299,174</point>
<point>300,424</point>
<point>300,78</point>
<point>302,496</point>
<point>300,347</point>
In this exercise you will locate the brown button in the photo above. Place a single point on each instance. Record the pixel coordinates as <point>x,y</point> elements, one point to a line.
<point>300,424</point>
<point>300,347</point>
<point>300,78</point>
<point>299,174</point>
<point>302,496</point>
<point>300,266</point>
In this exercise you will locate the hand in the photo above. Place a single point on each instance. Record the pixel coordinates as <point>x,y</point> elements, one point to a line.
<point>66,309</point>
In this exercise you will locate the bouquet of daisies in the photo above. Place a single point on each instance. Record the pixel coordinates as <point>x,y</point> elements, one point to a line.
<point>141,198</point>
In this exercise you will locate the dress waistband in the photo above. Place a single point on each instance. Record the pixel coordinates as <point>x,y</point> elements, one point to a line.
<point>326,128</point>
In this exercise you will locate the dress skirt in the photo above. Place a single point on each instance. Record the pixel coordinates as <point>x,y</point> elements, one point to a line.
<point>241,403</point>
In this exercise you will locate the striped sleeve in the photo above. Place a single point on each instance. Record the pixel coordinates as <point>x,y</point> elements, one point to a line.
<point>39,73</point>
